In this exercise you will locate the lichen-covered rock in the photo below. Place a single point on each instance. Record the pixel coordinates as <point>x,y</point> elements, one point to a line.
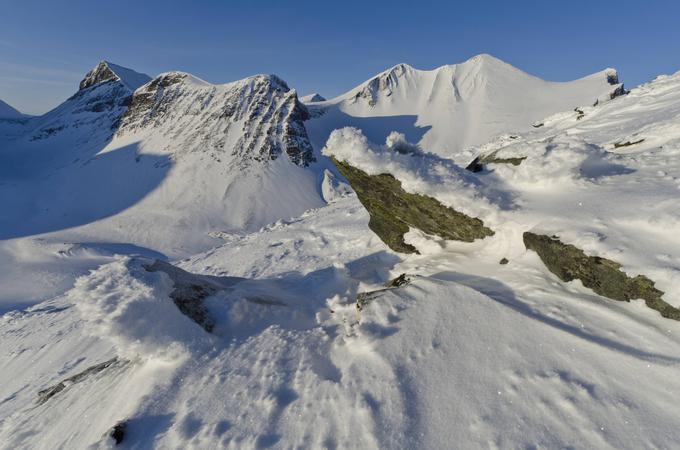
<point>602,275</point>
<point>394,211</point>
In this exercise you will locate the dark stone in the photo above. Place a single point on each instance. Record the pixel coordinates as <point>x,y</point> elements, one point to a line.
<point>503,261</point>
<point>118,432</point>
<point>627,143</point>
<point>475,166</point>
<point>401,280</point>
<point>50,392</point>
<point>363,298</point>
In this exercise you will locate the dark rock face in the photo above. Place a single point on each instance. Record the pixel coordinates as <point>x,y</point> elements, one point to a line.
<point>392,211</point>
<point>263,110</point>
<point>618,92</point>
<point>101,73</point>
<point>385,82</point>
<point>599,274</point>
<point>50,392</point>
<point>189,292</point>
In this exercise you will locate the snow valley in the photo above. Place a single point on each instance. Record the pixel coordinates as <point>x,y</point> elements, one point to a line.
<point>464,257</point>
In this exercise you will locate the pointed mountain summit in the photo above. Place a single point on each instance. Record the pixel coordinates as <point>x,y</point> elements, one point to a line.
<point>94,111</point>
<point>312,98</point>
<point>107,71</point>
<point>8,112</point>
<point>456,106</point>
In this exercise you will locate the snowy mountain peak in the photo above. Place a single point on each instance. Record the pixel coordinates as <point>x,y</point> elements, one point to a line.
<point>485,58</point>
<point>312,98</point>
<point>107,71</point>
<point>8,112</point>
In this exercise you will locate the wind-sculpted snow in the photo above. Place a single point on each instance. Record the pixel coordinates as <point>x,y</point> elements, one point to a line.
<point>419,172</point>
<point>124,302</point>
<point>291,362</point>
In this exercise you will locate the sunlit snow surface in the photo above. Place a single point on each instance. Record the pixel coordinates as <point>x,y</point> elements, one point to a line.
<point>470,354</point>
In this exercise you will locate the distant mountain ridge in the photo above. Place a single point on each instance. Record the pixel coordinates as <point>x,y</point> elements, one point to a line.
<point>455,106</point>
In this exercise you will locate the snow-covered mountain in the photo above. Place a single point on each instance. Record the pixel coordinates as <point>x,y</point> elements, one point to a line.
<point>175,158</point>
<point>143,306</point>
<point>456,106</point>
<point>8,112</point>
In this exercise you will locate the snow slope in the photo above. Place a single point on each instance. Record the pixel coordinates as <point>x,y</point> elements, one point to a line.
<point>455,106</point>
<point>291,363</point>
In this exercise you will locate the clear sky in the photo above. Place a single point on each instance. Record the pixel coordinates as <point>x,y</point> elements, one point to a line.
<point>325,46</point>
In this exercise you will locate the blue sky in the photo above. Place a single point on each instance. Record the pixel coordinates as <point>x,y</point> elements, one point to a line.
<point>322,46</point>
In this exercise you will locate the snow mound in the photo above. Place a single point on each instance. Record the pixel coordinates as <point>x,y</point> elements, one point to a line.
<point>125,303</point>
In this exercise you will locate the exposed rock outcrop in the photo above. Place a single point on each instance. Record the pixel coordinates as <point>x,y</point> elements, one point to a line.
<point>394,211</point>
<point>189,291</point>
<point>602,275</point>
